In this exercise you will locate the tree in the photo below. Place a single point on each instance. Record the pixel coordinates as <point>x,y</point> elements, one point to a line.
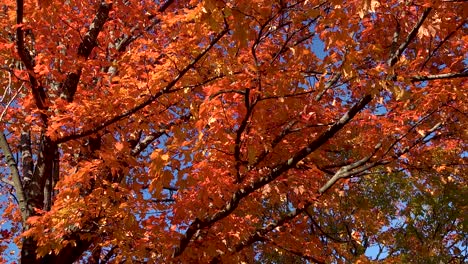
<point>218,131</point>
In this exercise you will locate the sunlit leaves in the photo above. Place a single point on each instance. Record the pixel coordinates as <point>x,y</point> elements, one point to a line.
<point>166,155</point>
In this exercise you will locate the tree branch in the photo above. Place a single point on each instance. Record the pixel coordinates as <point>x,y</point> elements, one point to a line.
<point>462,74</point>
<point>108,255</point>
<point>144,143</point>
<point>127,40</point>
<point>149,100</point>
<point>353,170</point>
<point>327,235</point>
<point>42,173</point>
<point>226,91</point>
<point>275,173</point>
<point>299,254</point>
<point>26,156</point>
<point>260,233</point>
<point>37,90</point>
<point>329,84</point>
<point>442,43</point>
<point>243,125</point>
<point>7,181</point>
<point>284,132</point>
<point>343,171</point>
<point>12,99</point>
<point>141,145</point>
<point>284,96</point>
<point>397,53</point>
<point>88,43</point>
<point>16,177</point>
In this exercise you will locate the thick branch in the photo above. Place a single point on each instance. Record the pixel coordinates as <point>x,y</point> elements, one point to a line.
<point>128,39</point>
<point>16,177</point>
<point>343,171</point>
<point>142,144</point>
<point>328,85</point>
<point>89,42</point>
<point>440,76</point>
<point>26,156</point>
<point>163,129</point>
<point>36,89</point>
<point>353,169</point>
<point>109,255</point>
<point>275,173</point>
<point>396,55</point>
<point>90,38</point>
<point>23,53</point>
<point>243,125</point>
<point>43,171</point>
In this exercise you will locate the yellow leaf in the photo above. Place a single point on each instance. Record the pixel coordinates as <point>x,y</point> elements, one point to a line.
<point>421,132</point>
<point>293,50</point>
<point>165,157</point>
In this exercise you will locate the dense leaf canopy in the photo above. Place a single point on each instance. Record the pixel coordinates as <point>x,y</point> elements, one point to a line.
<point>269,131</point>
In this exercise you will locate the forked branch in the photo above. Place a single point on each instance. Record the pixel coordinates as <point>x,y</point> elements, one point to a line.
<point>244,192</point>
<point>345,170</point>
<point>360,166</point>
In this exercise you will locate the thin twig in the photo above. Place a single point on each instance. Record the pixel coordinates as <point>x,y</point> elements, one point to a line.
<point>9,103</point>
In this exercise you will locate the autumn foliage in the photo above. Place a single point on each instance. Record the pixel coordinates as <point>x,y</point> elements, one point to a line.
<point>268,131</point>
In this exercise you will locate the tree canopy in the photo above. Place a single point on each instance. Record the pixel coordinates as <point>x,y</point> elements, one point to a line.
<point>259,131</point>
